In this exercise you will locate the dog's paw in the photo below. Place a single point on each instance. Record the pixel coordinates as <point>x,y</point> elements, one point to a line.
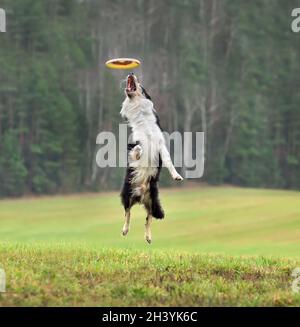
<point>125,231</point>
<point>136,152</point>
<point>148,237</point>
<point>177,177</point>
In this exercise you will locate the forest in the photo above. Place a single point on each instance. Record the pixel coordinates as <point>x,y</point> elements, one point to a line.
<point>227,68</point>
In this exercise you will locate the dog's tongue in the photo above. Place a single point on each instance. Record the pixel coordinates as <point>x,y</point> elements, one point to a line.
<point>130,84</point>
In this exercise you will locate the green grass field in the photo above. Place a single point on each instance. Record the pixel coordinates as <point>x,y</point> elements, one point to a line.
<point>217,246</point>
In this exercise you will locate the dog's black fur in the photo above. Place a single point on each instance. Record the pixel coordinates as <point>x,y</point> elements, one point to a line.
<point>152,205</point>
<point>151,202</point>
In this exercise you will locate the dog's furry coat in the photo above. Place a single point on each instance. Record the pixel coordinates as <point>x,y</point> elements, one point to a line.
<point>142,175</point>
<point>147,153</point>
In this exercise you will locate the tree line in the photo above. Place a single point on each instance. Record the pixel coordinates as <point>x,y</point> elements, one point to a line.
<point>227,68</point>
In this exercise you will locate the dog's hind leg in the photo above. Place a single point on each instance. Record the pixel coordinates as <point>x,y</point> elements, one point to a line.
<point>126,197</point>
<point>148,236</point>
<point>125,229</point>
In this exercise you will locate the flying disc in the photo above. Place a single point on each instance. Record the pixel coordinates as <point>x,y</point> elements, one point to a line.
<point>123,63</point>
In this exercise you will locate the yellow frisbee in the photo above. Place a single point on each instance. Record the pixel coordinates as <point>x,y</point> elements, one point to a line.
<point>123,63</point>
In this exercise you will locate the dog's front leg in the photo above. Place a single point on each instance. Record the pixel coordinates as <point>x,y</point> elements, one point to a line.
<point>136,153</point>
<point>166,159</point>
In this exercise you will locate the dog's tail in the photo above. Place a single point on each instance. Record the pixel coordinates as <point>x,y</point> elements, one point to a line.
<point>156,209</point>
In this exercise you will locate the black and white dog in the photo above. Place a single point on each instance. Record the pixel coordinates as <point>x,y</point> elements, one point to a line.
<point>147,154</point>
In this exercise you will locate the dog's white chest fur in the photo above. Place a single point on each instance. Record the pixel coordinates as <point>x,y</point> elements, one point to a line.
<point>141,118</point>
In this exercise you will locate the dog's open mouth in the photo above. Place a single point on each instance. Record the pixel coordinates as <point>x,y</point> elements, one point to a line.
<point>131,87</point>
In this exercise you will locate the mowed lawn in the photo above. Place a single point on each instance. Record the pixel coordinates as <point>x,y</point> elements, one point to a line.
<point>225,220</point>
<point>217,246</point>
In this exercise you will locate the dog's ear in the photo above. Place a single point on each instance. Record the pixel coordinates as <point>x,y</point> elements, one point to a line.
<point>147,96</point>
